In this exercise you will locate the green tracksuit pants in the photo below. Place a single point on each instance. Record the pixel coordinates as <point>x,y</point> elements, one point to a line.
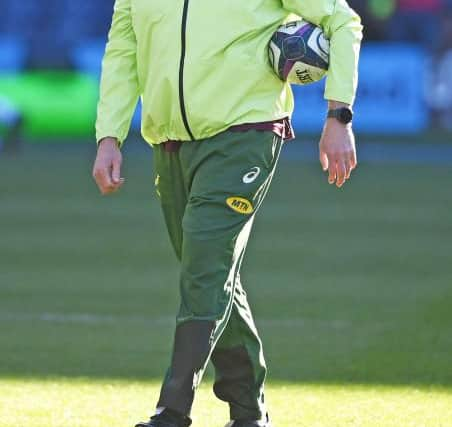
<point>210,191</point>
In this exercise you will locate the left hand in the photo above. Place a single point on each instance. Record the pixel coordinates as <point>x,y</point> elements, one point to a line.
<point>337,151</point>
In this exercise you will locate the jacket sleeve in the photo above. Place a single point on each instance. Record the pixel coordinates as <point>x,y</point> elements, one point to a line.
<point>343,27</point>
<point>119,89</point>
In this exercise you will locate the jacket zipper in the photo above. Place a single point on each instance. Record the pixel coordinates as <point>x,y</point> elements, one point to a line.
<point>181,69</point>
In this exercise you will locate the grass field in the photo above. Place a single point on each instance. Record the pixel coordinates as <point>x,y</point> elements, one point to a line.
<point>352,291</point>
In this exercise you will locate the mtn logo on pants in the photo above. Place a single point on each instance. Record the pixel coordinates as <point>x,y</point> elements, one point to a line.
<point>240,205</point>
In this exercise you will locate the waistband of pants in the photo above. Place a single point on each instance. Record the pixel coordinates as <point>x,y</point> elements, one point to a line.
<point>171,146</point>
<point>283,128</point>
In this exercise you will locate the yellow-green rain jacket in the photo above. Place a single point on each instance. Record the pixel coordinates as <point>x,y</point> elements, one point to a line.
<point>201,66</point>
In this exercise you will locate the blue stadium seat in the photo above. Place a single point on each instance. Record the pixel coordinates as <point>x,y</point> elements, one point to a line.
<point>87,56</point>
<point>13,55</point>
<point>19,19</point>
<point>50,28</point>
<point>85,20</point>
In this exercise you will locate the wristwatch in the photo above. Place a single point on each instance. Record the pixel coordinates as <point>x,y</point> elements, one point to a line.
<point>344,115</point>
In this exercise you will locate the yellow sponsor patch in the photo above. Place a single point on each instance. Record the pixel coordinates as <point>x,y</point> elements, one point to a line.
<point>240,205</point>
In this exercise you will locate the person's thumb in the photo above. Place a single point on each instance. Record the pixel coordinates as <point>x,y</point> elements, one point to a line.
<point>116,172</point>
<point>323,160</point>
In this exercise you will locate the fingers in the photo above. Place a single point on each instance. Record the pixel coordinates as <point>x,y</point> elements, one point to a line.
<point>115,186</point>
<point>337,171</point>
<point>350,163</point>
<point>340,167</point>
<point>102,178</point>
<point>348,170</point>
<point>332,171</point>
<point>108,178</point>
<point>341,173</point>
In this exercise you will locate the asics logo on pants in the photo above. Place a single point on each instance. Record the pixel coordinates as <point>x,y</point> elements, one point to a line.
<point>251,176</point>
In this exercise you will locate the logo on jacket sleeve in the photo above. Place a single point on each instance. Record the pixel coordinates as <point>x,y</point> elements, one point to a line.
<point>240,205</point>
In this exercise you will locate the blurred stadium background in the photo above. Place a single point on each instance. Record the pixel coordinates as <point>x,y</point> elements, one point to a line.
<point>52,50</point>
<point>359,331</point>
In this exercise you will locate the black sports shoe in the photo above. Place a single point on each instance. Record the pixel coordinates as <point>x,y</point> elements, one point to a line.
<point>253,423</point>
<point>167,418</point>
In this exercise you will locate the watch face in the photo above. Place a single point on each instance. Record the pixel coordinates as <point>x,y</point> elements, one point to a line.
<point>346,116</point>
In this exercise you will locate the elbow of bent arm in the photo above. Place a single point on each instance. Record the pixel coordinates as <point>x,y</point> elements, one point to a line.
<point>346,33</point>
<point>346,19</point>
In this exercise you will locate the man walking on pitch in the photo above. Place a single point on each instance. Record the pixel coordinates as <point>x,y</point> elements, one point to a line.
<point>216,116</point>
